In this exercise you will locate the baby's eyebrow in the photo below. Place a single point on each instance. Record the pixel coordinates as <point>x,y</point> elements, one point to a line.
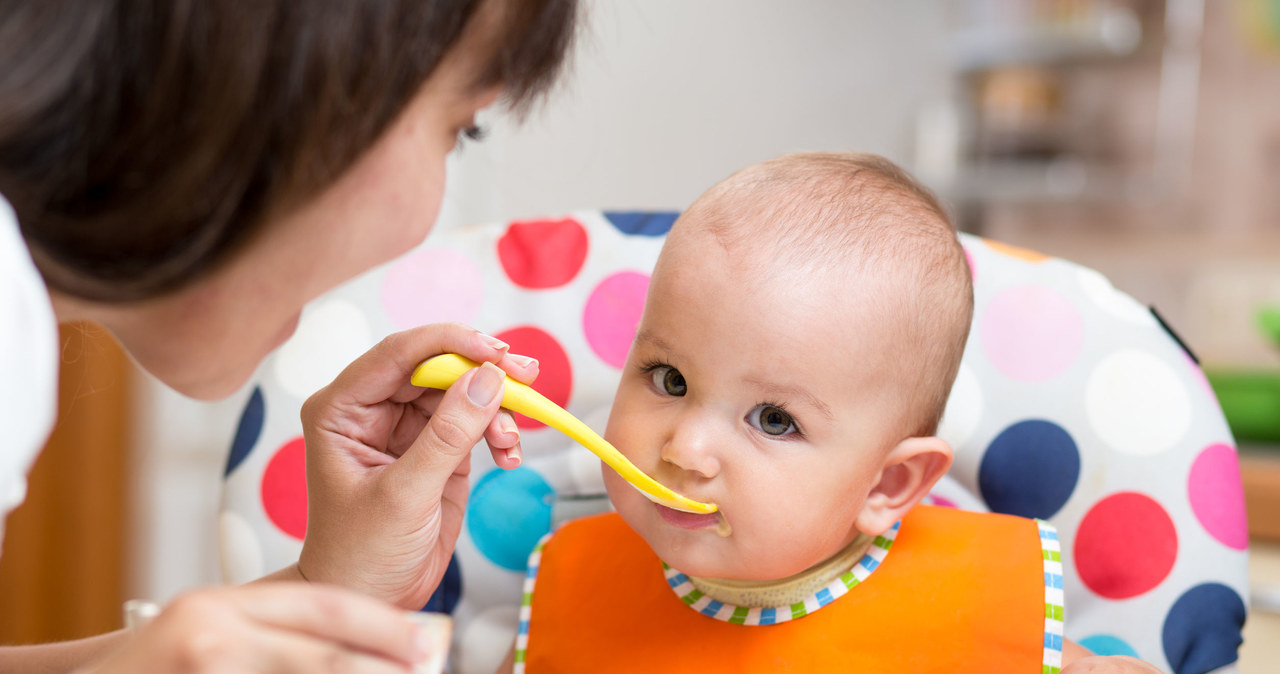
<point>785,391</point>
<point>647,336</point>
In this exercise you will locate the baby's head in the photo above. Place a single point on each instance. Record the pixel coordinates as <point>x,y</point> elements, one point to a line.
<point>803,327</point>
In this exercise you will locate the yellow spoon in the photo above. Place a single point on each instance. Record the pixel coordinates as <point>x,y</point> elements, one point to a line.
<point>442,371</point>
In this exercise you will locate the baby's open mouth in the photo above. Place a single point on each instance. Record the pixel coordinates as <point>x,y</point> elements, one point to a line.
<point>686,520</point>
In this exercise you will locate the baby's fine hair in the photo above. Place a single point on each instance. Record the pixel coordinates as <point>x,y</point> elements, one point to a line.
<point>862,214</point>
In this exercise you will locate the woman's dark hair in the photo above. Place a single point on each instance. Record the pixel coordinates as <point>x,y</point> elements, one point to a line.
<point>142,140</point>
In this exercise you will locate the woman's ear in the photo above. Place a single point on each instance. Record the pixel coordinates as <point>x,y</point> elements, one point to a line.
<point>909,472</point>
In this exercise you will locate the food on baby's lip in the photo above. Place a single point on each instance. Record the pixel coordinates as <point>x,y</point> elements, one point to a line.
<point>687,520</point>
<point>442,371</point>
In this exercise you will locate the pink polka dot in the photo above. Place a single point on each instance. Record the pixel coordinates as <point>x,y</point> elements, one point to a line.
<point>1031,333</point>
<point>1197,373</point>
<point>543,253</point>
<point>942,501</point>
<point>432,285</point>
<point>612,314</point>
<point>555,376</point>
<point>1125,546</point>
<point>284,488</point>
<point>1217,495</point>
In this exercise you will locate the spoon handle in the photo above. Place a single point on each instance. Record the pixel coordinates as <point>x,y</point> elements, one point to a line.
<point>442,371</point>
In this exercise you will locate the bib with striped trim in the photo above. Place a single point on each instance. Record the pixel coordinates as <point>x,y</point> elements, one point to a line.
<point>944,590</point>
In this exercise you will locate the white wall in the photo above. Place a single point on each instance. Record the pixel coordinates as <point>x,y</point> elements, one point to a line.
<point>665,98</point>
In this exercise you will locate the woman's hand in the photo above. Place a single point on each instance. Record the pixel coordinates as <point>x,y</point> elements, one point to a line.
<point>1112,664</point>
<point>1077,659</point>
<point>387,461</point>
<point>273,627</point>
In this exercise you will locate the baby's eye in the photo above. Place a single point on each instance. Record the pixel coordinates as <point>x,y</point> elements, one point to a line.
<point>772,420</point>
<point>669,380</point>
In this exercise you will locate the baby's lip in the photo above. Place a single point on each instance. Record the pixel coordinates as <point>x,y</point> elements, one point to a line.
<point>686,520</point>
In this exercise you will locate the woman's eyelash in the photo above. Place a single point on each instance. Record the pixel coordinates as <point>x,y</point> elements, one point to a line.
<point>475,133</point>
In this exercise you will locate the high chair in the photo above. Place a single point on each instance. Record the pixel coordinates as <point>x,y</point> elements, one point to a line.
<point>1074,404</point>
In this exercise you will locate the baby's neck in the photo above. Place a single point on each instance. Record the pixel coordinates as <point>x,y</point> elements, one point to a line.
<point>784,591</point>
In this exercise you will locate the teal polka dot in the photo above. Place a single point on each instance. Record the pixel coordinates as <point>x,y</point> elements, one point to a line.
<point>508,513</point>
<point>1108,644</point>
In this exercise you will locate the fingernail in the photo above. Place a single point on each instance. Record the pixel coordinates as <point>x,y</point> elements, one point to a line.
<point>522,361</point>
<point>431,642</point>
<point>515,455</point>
<point>485,385</point>
<point>495,342</point>
<point>508,424</point>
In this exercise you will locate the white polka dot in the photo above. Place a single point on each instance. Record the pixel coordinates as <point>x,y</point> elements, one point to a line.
<point>331,334</point>
<point>239,549</point>
<point>1098,289</point>
<point>964,410</point>
<point>487,639</point>
<point>584,468</point>
<point>1136,403</point>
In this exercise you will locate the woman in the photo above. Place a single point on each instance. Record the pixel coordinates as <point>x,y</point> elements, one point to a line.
<point>189,173</point>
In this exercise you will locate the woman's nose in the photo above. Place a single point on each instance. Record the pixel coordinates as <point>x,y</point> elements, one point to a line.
<point>692,447</point>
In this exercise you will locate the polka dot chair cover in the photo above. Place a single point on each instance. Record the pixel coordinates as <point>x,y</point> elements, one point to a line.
<point>1074,404</point>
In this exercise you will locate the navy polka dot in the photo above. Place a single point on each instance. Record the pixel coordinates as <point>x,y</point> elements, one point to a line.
<point>248,432</point>
<point>1202,630</point>
<point>641,223</point>
<point>446,596</point>
<point>508,513</point>
<point>1030,469</point>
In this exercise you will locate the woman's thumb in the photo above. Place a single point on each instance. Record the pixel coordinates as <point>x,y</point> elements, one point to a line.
<point>455,427</point>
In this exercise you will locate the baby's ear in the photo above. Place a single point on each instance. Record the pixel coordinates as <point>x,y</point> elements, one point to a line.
<point>910,471</point>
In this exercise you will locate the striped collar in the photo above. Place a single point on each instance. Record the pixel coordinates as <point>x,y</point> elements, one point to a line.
<point>743,615</point>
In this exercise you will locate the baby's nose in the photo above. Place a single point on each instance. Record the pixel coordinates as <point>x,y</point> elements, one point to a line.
<point>693,448</point>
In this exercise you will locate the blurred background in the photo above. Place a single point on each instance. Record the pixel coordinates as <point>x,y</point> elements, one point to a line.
<point>1138,137</point>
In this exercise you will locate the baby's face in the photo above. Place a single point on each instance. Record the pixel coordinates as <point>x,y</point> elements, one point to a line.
<point>764,391</point>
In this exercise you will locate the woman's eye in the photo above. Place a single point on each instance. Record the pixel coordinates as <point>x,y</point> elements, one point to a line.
<point>472,133</point>
<point>772,420</point>
<point>669,380</point>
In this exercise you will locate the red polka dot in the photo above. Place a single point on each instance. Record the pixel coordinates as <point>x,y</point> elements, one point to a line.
<point>1125,546</point>
<point>284,488</point>
<point>543,253</point>
<point>555,376</point>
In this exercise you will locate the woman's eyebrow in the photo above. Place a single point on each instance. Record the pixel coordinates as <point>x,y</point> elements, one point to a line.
<point>786,391</point>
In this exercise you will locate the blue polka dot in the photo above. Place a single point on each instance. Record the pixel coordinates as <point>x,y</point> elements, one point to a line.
<point>1108,644</point>
<point>1202,630</point>
<point>446,596</point>
<point>1030,469</point>
<point>508,512</point>
<point>248,432</point>
<point>641,222</point>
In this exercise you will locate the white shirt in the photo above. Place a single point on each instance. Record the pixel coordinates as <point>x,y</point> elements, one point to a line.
<point>28,364</point>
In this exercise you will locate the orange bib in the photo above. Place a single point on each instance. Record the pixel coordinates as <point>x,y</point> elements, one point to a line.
<point>956,591</point>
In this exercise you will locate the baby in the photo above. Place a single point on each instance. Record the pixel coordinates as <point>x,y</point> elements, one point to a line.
<point>803,327</point>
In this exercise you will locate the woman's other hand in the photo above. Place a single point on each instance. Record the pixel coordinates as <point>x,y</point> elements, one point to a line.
<point>273,627</point>
<point>388,462</point>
